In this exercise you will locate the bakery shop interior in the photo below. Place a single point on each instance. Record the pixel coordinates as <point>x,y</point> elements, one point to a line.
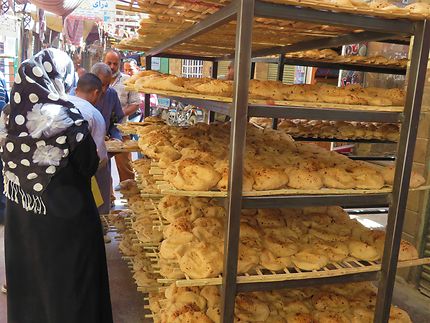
<point>219,161</point>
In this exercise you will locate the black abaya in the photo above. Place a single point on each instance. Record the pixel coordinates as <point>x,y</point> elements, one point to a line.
<point>56,263</point>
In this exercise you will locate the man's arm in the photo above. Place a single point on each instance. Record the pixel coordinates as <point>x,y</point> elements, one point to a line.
<point>99,135</point>
<point>117,110</point>
<point>133,103</point>
<point>130,109</point>
<point>117,115</point>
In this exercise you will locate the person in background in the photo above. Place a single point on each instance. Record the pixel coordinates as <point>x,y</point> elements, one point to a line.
<point>81,71</point>
<point>88,91</point>
<point>130,67</point>
<point>110,107</point>
<point>130,101</point>
<point>230,72</point>
<point>228,77</point>
<point>58,272</point>
<point>4,99</point>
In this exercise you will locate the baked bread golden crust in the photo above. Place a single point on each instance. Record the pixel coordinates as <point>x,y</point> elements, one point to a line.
<point>201,261</point>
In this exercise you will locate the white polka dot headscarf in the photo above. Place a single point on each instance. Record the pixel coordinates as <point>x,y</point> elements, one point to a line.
<point>43,128</point>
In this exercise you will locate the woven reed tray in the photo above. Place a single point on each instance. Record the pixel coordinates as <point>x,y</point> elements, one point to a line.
<point>347,267</point>
<point>328,106</point>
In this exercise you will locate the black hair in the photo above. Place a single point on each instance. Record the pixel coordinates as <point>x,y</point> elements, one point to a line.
<point>89,82</point>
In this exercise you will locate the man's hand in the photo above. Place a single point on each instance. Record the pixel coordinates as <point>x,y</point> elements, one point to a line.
<point>103,163</point>
<point>112,139</point>
<point>130,109</point>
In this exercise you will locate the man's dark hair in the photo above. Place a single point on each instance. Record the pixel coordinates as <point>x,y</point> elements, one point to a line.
<point>89,82</point>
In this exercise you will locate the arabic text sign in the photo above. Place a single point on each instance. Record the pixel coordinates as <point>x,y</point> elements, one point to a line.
<point>9,26</point>
<point>102,10</point>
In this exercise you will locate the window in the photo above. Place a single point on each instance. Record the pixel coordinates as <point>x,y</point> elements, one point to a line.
<point>192,68</point>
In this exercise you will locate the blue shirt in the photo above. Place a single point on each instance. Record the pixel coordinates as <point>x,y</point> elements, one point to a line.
<point>110,108</point>
<point>4,98</point>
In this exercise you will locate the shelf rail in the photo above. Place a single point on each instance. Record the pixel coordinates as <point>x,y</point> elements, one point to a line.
<point>242,70</point>
<point>408,136</point>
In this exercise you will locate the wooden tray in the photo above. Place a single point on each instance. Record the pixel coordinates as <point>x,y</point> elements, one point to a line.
<point>168,189</point>
<point>332,270</point>
<point>388,14</point>
<point>328,106</point>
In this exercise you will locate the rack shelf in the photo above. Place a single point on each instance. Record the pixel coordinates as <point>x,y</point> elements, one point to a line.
<point>293,277</point>
<point>344,200</point>
<point>364,141</point>
<point>216,35</point>
<point>362,67</point>
<point>306,111</point>
<point>270,34</point>
<point>349,270</point>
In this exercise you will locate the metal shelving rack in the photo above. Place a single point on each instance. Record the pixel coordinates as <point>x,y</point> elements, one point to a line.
<point>244,12</point>
<point>340,65</point>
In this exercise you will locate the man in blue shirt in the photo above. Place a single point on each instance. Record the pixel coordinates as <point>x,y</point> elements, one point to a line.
<point>108,104</point>
<point>4,99</point>
<point>111,110</point>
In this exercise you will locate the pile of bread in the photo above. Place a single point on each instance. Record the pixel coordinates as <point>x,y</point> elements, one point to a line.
<point>118,220</point>
<point>334,129</point>
<point>196,159</point>
<point>419,8</point>
<point>308,238</point>
<point>142,268</point>
<point>331,55</point>
<point>136,229</point>
<point>270,90</point>
<point>131,128</point>
<point>141,221</point>
<point>340,303</point>
<point>135,253</point>
<point>117,145</point>
<point>146,182</point>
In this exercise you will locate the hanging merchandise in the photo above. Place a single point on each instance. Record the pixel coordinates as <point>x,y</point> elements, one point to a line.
<point>73,30</point>
<point>58,7</point>
<point>4,6</point>
<point>42,25</point>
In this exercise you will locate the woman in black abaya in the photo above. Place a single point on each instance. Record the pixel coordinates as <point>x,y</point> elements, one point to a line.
<point>55,258</point>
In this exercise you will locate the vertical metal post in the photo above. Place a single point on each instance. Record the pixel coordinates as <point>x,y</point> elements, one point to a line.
<point>281,67</point>
<point>280,77</point>
<point>211,117</point>
<point>214,70</point>
<point>245,17</point>
<point>252,70</point>
<point>147,111</point>
<point>415,88</point>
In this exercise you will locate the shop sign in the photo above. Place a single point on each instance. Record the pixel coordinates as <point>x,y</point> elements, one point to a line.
<point>9,26</point>
<point>155,63</point>
<point>100,10</point>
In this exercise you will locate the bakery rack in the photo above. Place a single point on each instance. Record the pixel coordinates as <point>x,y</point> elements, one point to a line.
<point>290,276</point>
<point>335,65</point>
<point>377,27</point>
<point>293,277</point>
